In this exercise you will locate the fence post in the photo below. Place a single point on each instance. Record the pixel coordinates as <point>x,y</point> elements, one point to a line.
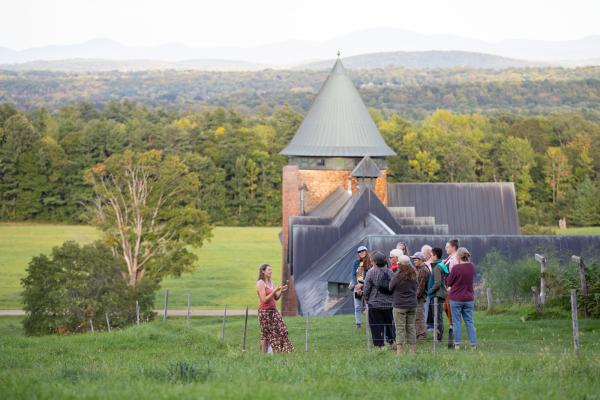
<point>435,324</point>
<point>189,310</point>
<point>245,330</point>
<point>575,321</point>
<point>166,304</point>
<point>542,260</point>
<point>367,328</point>
<point>307,330</point>
<point>92,325</point>
<point>137,312</point>
<point>535,298</point>
<point>490,300</point>
<point>582,280</point>
<point>223,326</point>
<point>108,322</point>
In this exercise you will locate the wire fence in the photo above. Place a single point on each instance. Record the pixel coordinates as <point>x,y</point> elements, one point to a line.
<point>240,330</point>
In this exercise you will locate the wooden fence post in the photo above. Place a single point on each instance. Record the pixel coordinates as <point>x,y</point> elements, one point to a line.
<point>189,310</point>
<point>108,322</point>
<point>92,325</point>
<point>306,339</point>
<point>166,304</point>
<point>582,281</point>
<point>535,298</point>
<point>223,326</point>
<point>137,312</point>
<point>542,260</point>
<point>435,324</point>
<point>490,300</point>
<point>245,330</point>
<point>575,321</point>
<point>367,328</point>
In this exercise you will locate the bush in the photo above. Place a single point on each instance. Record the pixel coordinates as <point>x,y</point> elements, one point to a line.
<point>537,230</point>
<point>77,284</point>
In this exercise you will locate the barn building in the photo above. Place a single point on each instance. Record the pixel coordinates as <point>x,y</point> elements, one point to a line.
<point>335,197</point>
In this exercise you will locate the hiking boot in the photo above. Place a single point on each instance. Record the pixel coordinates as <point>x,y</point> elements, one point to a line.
<point>473,347</point>
<point>457,347</point>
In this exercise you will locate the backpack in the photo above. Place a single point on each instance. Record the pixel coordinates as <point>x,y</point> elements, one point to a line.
<point>384,284</point>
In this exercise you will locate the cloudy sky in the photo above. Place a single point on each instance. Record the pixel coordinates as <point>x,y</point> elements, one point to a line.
<point>29,23</point>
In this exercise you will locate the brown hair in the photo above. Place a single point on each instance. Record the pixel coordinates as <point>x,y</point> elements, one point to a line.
<point>406,272</point>
<point>454,243</point>
<point>366,261</point>
<point>261,272</point>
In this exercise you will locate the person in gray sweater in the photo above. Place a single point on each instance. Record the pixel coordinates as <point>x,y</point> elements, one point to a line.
<point>404,299</point>
<point>379,301</point>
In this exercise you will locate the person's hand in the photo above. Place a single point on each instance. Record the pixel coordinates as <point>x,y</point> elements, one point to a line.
<point>284,288</point>
<point>278,288</point>
<point>350,286</point>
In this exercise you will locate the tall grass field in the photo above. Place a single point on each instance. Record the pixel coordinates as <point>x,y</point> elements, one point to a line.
<point>516,359</point>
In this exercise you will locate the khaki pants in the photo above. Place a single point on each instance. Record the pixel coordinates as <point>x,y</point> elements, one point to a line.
<point>421,328</point>
<point>404,319</point>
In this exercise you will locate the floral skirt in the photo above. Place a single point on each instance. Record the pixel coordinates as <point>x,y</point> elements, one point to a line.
<point>274,331</point>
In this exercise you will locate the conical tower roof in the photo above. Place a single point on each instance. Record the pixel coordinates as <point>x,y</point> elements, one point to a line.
<point>338,124</point>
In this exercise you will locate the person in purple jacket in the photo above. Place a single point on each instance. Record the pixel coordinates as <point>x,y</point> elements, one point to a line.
<point>462,297</point>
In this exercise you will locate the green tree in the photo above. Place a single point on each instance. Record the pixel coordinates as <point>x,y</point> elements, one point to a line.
<point>146,204</point>
<point>586,207</point>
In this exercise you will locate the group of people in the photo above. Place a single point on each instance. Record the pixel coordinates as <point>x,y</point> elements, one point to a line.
<point>399,294</point>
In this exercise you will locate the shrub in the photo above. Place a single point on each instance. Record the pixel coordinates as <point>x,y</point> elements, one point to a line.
<point>77,284</point>
<point>537,230</point>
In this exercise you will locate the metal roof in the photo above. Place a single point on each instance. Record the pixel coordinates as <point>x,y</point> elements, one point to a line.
<point>467,208</point>
<point>338,124</point>
<point>366,168</point>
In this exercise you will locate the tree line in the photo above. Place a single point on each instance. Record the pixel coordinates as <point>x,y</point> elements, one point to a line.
<point>554,159</point>
<point>412,93</point>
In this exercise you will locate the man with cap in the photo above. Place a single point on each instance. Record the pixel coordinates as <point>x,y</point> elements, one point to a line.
<point>394,256</point>
<point>422,283</point>
<point>359,271</point>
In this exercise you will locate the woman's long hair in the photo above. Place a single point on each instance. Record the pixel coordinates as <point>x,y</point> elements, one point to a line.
<point>261,272</point>
<point>366,261</point>
<point>406,272</point>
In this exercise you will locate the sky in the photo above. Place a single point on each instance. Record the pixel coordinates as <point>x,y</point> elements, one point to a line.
<point>246,23</point>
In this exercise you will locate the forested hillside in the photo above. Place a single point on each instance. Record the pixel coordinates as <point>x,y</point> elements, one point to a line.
<point>44,156</point>
<point>413,94</point>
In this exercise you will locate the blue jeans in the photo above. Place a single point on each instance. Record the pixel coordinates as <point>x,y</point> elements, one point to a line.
<point>358,307</point>
<point>463,310</point>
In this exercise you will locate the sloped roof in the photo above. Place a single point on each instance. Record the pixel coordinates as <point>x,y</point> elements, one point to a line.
<point>366,168</point>
<point>338,124</point>
<point>467,208</point>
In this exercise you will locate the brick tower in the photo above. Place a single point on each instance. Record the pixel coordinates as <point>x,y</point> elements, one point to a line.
<point>336,134</point>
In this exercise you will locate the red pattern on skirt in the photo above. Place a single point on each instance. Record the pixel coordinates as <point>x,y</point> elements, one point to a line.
<point>274,331</point>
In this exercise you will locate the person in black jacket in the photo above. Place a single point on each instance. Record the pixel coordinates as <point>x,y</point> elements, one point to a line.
<point>379,301</point>
<point>404,298</point>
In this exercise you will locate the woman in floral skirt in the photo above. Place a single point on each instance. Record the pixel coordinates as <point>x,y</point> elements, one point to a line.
<point>272,328</point>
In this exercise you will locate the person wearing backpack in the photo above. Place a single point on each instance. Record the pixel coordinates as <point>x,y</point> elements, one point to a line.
<point>379,301</point>
<point>437,288</point>
<point>404,293</point>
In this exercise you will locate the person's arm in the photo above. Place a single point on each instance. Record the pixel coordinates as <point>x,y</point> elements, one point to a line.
<point>423,280</point>
<point>261,289</point>
<point>394,282</point>
<point>353,281</point>
<point>279,291</point>
<point>437,280</point>
<point>368,285</point>
<point>451,279</point>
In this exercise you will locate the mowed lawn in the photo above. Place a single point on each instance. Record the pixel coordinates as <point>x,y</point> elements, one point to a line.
<point>588,230</point>
<point>516,359</point>
<point>226,270</point>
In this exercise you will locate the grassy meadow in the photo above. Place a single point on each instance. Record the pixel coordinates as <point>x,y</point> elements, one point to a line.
<point>517,358</point>
<point>226,272</point>
<point>227,265</point>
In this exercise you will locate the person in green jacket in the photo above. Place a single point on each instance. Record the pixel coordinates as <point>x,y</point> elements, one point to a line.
<point>437,288</point>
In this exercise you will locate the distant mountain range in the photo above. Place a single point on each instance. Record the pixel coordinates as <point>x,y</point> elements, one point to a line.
<point>416,60</point>
<point>298,52</point>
